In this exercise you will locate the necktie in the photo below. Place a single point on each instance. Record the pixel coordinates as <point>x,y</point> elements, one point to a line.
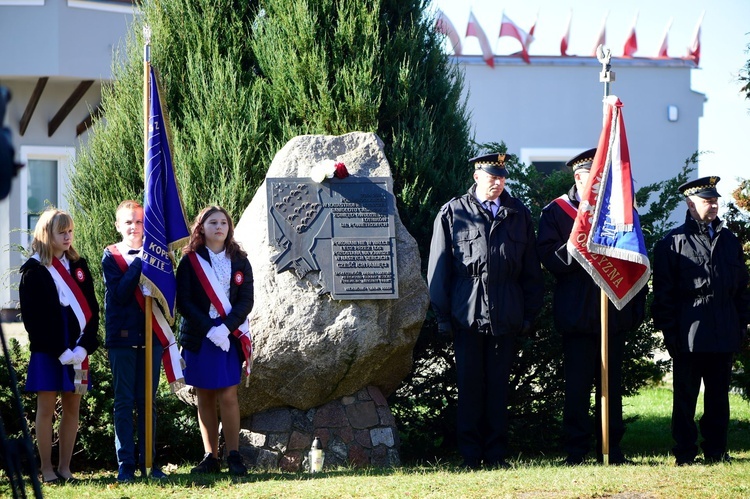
<point>491,207</point>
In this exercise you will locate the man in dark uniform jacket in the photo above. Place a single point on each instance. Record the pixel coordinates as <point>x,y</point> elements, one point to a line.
<point>577,312</point>
<point>702,305</point>
<point>485,286</point>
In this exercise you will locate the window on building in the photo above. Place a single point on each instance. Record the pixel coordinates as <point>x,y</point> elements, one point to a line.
<point>41,190</point>
<point>548,160</point>
<point>43,183</point>
<point>548,167</point>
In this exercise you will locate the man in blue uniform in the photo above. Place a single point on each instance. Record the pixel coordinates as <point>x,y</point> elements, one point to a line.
<point>486,287</point>
<point>702,305</point>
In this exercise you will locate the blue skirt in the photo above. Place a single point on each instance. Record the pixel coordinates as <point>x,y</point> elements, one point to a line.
<point>46,374</point>
<point>212,368</point>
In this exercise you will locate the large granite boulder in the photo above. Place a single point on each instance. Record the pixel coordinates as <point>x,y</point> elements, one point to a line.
<point>309,348</point>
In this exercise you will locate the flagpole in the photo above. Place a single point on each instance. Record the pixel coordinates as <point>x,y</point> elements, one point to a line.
<point>606,76</point>
<point>149,409</point>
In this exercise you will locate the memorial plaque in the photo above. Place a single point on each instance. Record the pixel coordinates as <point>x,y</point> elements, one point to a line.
<point>343,228</point>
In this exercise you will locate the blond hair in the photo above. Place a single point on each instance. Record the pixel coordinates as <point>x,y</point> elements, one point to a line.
<point>51,222</point>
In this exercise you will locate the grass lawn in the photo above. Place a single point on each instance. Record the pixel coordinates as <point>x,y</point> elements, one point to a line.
<point>647,442</point>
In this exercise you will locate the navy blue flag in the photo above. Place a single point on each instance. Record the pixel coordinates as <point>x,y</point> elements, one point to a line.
<point>165,226</point>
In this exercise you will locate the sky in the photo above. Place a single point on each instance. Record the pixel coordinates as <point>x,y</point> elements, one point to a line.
<point>724,129</point>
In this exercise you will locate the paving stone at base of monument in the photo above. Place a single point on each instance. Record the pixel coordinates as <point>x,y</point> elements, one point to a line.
<point>357,430</point>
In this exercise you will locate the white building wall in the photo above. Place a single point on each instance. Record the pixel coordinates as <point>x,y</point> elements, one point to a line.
<point>555,104</point>
<point>66,41</point>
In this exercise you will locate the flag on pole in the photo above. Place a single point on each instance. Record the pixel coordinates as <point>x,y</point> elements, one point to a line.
<point>602,38</point>
<point>474,29</point>
<point>564,43</point>
<point>509,28</point>
<point>694,51</point>
<point>606,238</point>
<point>164,224</point>
<point>445,26</point>
<point>530,36</point>
<point>662,54</point>
<point>631,43</point>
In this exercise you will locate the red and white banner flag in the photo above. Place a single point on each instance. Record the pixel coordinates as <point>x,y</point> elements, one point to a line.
<point>606,238</point>
<point>602,38</point>
<point>662,54</point>
<point>694,51</point>
<point>530,35</point>
<point>509,28</point>
<point>474,29</point>
<point>445,26</point>
<point>631,43</point>
<point>565,42</point>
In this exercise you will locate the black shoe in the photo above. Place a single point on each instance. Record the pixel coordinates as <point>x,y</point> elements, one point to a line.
<point>686,461</point>
<point>471,464</point>
<point>209,464</point>
<point>721,458</point>
<point>236,466</point>
<point>126,473</point>
<point>497,464</point>
<point>574,460</point>
<point>156,473</point>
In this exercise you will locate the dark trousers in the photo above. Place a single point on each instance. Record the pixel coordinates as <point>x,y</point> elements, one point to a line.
<point>581,357</point>
<point>483,371</point>
<point>689,369</point>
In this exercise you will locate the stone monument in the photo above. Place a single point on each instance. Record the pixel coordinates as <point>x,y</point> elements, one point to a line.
<point>333,330</point>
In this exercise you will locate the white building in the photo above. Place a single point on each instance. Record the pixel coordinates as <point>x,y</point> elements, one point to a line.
<point>551,109</point>
<point>58,53</point>
<point>56,56</point>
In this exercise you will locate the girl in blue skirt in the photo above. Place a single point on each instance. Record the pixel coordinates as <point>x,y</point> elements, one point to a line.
<point>61,315</point>
<point>214,297</point>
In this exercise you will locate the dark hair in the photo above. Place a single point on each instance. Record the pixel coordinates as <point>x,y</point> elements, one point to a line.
<point>197,239</point>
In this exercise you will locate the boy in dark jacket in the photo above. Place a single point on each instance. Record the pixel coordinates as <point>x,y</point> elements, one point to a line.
<point>125,340</point>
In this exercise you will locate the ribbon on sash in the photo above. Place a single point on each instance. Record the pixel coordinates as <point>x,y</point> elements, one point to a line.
<point>564,203</point>
<point>220,301</point>
<point>171,359</point>
<point>68,287</point>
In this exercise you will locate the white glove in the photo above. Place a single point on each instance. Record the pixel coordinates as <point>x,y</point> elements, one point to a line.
<point>79,353</point>
<point>219,336</point>
<point>66,358</point>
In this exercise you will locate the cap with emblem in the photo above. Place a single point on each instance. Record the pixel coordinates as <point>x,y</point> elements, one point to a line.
<point>494,164</point>
<point>583,161</point>
<point>704,187</point>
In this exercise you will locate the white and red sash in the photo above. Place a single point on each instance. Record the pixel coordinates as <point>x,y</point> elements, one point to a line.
<point>67,286</point>
<point>170,357</point>
<point>564,203</point>
<point>220,301</point>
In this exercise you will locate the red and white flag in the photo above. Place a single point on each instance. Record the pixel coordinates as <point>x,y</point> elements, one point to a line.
<point>445,26</point>
<point>694,51</point>
<point>474,29</point>
<point>566,37</point>
<point>631,43</point>
<point>662,54</point>
<point>509,28</point>
<point>602,38</point>
<point>530,35</point>
<point>606,238</point>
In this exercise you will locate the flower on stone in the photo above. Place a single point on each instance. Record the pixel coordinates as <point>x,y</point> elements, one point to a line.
<point>328,169</point>
<point>341,171</point>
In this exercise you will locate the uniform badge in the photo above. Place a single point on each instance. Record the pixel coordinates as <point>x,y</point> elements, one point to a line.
<point>239,278</point>
<point>80,275</point>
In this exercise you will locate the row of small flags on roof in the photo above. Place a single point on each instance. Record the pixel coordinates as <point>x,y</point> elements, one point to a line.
<point>511,29</point>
